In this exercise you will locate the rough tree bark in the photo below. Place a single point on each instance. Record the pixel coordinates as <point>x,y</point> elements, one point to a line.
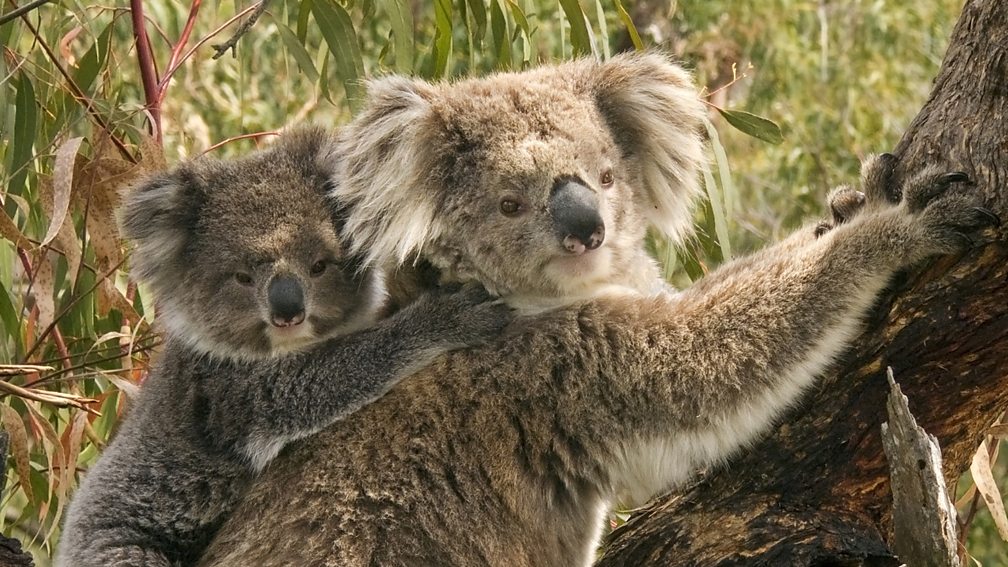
<point>816,491</point>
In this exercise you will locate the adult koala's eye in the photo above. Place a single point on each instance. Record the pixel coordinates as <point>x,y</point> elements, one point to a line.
<point>607,178</point>
<point>243,278</point>
<point>510,207</point>
<point>318,268</point>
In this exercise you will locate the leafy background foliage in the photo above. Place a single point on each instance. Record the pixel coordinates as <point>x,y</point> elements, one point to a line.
<point>78,98</point>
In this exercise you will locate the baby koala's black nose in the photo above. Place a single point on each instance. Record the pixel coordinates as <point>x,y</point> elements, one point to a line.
<point>286,301</point>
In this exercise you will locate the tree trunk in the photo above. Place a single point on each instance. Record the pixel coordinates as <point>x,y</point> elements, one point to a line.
<point>816,491</point>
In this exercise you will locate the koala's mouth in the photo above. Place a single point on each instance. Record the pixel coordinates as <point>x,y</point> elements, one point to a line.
<point>587,266</point>
<point>290,337</point>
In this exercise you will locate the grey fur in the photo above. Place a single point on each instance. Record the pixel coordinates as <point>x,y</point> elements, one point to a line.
<point>509,454</point>
<point>460,149</point>
<point>229,390</point>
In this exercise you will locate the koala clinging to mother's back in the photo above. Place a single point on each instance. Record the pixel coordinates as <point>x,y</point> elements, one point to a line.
<point>540,185</point>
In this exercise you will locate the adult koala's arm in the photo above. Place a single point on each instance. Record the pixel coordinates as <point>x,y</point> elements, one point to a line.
<point>507,454</point>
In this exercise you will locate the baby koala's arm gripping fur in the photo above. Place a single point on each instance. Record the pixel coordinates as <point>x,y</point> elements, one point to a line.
<point>290,397</point>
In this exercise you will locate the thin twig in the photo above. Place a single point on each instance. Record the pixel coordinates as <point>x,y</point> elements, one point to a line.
<point>69,305</point>
<point>209,36</point>
<point>230,44</point>
<point>57,335</point>
<point>22,10</point>
<point>241,137</point>
<point>53,377</point>
<point>58,399</point>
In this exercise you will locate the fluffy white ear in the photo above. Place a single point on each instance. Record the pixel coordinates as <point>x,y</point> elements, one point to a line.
<point>158,216</point>
<point>385,160</point>
<point>651,106</point>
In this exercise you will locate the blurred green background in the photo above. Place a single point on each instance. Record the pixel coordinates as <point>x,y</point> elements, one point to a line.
<point>840,79</point>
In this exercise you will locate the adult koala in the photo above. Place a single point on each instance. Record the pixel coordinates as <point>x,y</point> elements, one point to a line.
<point>509,454</point>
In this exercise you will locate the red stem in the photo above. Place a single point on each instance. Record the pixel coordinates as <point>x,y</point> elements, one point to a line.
<point>148,73</point>
<point>177,50</point>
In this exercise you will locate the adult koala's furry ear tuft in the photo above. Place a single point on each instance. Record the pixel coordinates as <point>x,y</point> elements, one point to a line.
<point>651,106</point>
<point>158,216</point>
<point>388,154</point>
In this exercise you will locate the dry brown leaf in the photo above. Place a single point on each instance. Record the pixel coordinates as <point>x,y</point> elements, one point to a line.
<point>102,201</point>
<point>74,448</point>
<point>983,478</point>
<point>63,177</point>
<point>42,290</point>
<point>18,446</point>
<point>66,239</point>
<point>152,154</point>
<point>10,231</point>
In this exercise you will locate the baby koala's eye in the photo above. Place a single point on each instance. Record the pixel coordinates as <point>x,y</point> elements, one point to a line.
<point>510,207</point>
<point>243,278</point>
<point>607,178</point>
<point>318,268</point>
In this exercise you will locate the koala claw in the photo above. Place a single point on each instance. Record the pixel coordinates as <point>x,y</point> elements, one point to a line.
<point>991,216</point>
<point>954,177</point>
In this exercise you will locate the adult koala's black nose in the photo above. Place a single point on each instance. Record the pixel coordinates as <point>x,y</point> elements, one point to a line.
<point>286,301</point>
<point>576,219</point>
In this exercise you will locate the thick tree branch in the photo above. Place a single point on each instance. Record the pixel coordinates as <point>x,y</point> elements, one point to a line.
<point>816,491</point>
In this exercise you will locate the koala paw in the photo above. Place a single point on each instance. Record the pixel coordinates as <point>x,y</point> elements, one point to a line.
<point>469,316</point>
<point>877,180</point>
<point>948,213</point>
<point>844,204</point>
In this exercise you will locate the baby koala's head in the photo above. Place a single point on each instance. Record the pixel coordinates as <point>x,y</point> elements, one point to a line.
<point>244,256</point>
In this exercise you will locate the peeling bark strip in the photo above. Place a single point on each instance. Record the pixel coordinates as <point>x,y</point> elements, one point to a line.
<point>924,518</point>
<point>816,491</point>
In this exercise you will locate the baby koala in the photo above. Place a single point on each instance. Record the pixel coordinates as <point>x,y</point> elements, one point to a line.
<point>248,269</point>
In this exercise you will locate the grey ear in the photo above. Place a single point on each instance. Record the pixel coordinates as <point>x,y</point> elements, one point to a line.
<point>386,159</point>
<point>312,148</point>
<point>158,216</point>
<point>651,106</point>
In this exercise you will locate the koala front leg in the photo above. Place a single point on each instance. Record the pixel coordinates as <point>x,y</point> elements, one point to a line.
<point>729,355</point>
<point>266,405</point>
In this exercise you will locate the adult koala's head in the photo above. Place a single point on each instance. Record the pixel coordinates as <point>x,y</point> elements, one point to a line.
<point>541,182</point>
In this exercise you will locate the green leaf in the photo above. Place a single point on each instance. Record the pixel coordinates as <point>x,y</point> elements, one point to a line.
<point>402,33</point>
<point>296,48</point>
<point>501,38</point>
<point>755,126</point>
<point>442,37</point>
<point>580,39</point>
<point>724,171</point>
<point>519,16</point>
<point>338,31</point>
<point>603,28</point>
<point>478,9</point>
<point>717,210</point>
<point>25,116</point>
<point>630,27</point>
<point>302,23</point>
<point>94,59</point>
<point>8,314</point>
